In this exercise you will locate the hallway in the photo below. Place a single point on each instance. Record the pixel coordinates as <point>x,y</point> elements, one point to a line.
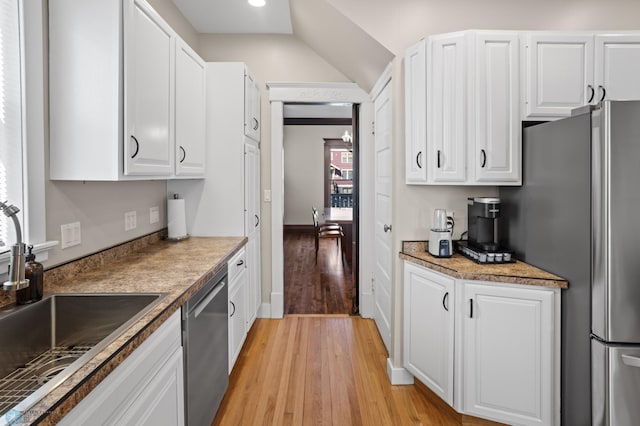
<point>310,288</point>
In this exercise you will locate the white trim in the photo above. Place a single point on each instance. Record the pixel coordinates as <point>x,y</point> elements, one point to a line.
<point>398,375</point>
<point>264,311</point>
<point>382,81</point>
<point>279,93</point>
<point>367,219</point>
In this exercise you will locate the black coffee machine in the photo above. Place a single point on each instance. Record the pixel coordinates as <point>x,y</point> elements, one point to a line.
<point>482,217</point>
<point>482,244</point>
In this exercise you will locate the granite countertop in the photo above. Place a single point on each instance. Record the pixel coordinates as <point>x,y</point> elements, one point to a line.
<point>458,266</point>
<point>179,269</point>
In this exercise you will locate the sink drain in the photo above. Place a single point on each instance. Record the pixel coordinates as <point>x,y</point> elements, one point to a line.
<point>48,370</point>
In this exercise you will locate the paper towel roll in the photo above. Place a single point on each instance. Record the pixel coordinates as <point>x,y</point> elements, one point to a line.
<point>176,219</point>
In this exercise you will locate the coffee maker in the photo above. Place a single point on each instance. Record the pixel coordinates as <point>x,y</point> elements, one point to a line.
<point>482,217</point>
<point>482,231</point>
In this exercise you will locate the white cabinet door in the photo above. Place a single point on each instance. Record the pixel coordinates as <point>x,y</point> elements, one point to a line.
<point>237,316</point>
<point>190,91</point>
<point>429,328</point>
<point>149,90</point>
<point>559,75</point>
<point>254,292</point>
<point>496,86</point>
<point>508,351</point>
<point>252,208</point>
<point>617,59</point>
<point>252,107</point>
<point>446,108</point>
<point>415,64</point>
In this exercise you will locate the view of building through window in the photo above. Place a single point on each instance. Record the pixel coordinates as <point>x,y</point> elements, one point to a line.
<point>341,175</point>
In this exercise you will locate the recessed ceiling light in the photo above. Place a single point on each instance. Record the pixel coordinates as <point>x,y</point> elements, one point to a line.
<point>257,3</point>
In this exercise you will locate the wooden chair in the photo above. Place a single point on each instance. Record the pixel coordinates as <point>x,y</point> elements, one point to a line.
<point>326,231</point>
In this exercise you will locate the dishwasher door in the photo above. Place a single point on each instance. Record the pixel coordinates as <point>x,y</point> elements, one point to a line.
<point>206,350</point>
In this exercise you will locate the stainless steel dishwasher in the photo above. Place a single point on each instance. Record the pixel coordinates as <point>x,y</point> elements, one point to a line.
<point>206,353</point>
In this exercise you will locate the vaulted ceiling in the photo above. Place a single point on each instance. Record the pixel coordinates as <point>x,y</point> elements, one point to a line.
<point>317,23</point>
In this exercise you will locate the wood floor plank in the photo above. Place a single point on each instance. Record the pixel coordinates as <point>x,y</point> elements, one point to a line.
<point>314,370</point>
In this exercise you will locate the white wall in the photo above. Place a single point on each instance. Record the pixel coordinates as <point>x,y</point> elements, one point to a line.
<point>304,170</point>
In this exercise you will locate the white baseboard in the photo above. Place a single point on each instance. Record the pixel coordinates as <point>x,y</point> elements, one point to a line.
<point>277,305</point>
<point>264,311</point>
<point>366,305</point>
<point>398,375</point>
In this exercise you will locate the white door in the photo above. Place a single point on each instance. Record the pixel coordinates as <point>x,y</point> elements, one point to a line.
<point>508,354</point>
<point>446,106</point>
<point>252,208</point>
<point>149,84</point>
<point>189,111</point>
<point>617,67</point>
<point>559,73</point>
<point>428,324</point>
<point>251,107</point>
<point>496,156</point>
<point>382,205</point>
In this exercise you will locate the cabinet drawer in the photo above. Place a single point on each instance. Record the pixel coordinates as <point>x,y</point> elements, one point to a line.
<point>237,264</point>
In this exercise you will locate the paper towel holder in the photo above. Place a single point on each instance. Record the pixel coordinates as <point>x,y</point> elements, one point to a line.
<point>176,196</point>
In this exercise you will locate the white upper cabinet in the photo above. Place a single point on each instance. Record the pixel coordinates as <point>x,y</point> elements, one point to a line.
<point>472,126</point>
<point>559,73</point>
<point>447,108</point>
<point>190,105</point>
<point>564,71</point>
<point>251,107</point>
<point>617,67</point>
<point>115,105</point>
<point>148,87</point>
<point>415,72</point>
<point>496,155</point>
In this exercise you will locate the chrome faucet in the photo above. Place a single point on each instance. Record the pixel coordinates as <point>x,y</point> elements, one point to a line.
<point>16,267</point>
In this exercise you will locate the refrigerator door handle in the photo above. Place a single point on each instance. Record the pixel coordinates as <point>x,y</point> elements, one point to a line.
<point>631,361</point>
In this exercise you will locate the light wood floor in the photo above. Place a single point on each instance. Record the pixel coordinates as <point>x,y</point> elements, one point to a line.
<point>324,287</point>
<point>322,370</point>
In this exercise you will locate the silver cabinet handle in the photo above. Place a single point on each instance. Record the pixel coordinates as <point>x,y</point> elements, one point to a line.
<point>387,228</point>
<point>593,93</point>
<point>631,361</point>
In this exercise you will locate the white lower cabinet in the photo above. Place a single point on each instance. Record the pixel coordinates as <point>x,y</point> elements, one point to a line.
<point>238,286</point>
<point>489,350</point>
<point>508,350</point>
<point>146,389</point>
<point>429,327</point>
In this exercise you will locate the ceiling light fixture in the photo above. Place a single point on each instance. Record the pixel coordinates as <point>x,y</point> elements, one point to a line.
<point>257,3</point>
<point>347,137</point>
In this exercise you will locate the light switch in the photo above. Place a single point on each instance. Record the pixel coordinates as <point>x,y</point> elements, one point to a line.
<point>267,195</point>
<point>154,215</point>
<point>70,235</point>
<point>130,221</point>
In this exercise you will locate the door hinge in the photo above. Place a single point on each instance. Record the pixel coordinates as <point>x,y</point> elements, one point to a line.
<point>373,127</point>
<point>373,285</point>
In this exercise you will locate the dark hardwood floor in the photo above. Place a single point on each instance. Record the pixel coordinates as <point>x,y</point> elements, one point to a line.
<point>310,288</point>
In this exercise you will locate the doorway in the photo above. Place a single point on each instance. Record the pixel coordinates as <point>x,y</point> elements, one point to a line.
<point>320,172</point>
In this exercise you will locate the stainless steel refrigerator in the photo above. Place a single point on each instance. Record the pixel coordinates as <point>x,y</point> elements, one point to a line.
<point>577,215</point>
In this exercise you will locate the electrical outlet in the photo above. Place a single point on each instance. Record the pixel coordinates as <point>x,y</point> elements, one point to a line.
<point>70,235</point>
<point>130,221</point>
<point>154,215</point>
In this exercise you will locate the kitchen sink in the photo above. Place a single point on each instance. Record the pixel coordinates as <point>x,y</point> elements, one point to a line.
<point>44,343</point>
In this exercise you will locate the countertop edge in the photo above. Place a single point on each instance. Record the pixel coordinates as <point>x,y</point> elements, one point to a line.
<point>479,276</point>
<point>61,400</point>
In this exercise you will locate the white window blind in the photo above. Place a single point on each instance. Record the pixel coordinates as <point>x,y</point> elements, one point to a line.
<point>11,107</point>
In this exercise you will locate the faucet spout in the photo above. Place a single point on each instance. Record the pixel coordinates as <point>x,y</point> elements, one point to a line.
<point>16,267</point>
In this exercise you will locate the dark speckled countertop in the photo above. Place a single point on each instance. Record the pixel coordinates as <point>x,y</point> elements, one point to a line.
<point>458,266</point>
<point>176,268</point>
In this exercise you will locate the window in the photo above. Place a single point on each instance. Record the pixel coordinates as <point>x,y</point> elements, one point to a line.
<point>346,158</point>
<point>22,124</point>
<point>10,117</point>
